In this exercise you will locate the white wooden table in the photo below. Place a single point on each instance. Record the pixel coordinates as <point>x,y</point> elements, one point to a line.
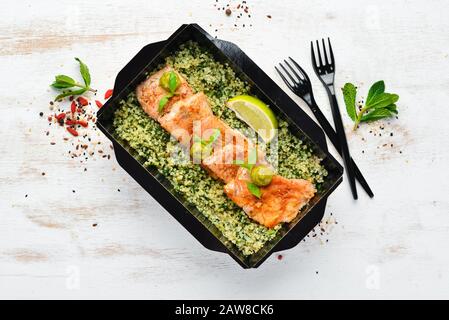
<point>395,246</point>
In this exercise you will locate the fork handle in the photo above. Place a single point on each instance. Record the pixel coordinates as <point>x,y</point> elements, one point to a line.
<point>332,135</point>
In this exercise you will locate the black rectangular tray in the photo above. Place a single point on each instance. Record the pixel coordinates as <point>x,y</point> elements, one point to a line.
<point>266,89</point>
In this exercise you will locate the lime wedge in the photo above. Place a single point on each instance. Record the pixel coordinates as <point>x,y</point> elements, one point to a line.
<point>255,114</point>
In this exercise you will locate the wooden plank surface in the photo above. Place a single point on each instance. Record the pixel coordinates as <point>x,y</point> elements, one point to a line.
<point>394,246</point>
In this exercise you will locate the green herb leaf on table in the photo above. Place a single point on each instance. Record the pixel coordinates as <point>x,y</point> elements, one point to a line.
<point>65,82</point>
<point>349,94</point>
<point>379,104</point>
<point>376,115</point>
<point>84,70</point>
<point>70,93</point>
<point>255,190</point>
<point>376,89</point>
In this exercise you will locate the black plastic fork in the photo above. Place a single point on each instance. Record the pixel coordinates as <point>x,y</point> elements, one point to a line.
<point>326,73</point>
<point>300,85</point>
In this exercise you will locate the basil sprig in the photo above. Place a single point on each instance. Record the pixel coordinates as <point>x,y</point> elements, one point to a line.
<point>63,82</point>
<point>172,85</point>
<point>378,105</point>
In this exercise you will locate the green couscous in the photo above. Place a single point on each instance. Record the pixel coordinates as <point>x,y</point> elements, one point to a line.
<point>151,142</point>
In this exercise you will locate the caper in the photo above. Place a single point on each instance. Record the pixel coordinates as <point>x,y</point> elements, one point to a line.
<point>261,175</point>
<point>196,151</point>
<point>164,80</point>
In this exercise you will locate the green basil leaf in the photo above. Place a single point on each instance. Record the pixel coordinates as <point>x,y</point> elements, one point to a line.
<point>394,98</point>
<point>393,108</point>
<point>381,101</point>
<point>63,82</point>
<point>84,70</point>
<point>349,95</point>
<point>214,136</point>
<point>376,89</point>
<point>70,93</point>
<point>172,82</point>
<point>162,103</point>
<point>255,190</point>
<point>377,114</point>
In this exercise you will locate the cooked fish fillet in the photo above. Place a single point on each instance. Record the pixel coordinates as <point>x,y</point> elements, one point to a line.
<point>149,93</point>
<point>184,114</point>
<point>221,163</point>
<point>227,134</point>
<point>280,202</point>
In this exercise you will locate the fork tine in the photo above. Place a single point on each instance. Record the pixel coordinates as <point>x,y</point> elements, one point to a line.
<point>288,74</point>
<point>293,70</point>
<point>301,70</point>
<point>283,78</point>
<point>319,53</point>
<point>331,52</point>
<point>325,52</point>
<point>312,54</point>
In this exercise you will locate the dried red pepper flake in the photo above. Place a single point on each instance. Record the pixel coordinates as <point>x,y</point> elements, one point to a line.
<point>82,123</point>
<point>83,101</point>
<point>73,107</point>
<point>98,103</point>
<point>70,122</point>
<point>108,94</point>
<point>50,118</point>
<point>60,116</point>
<point>72,131</point>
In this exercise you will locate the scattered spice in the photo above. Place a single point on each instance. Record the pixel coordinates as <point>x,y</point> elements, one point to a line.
<point>98,103</point>
<point>228,12</point>
<point>268,16</point>
<point>83,101</point>
<point>41,114</point>
<point>280,256</point>
<point>82,123</point>
<point>72,131</point>
<point>108,94</point>
<point>73,107</point>
<point>94,225</point>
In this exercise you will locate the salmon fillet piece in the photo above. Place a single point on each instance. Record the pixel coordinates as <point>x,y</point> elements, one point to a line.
<point>227,134</point>
<point>184,114</point>
<point>280,202</point>
<point>149,93</point>
<point>221,163</point>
